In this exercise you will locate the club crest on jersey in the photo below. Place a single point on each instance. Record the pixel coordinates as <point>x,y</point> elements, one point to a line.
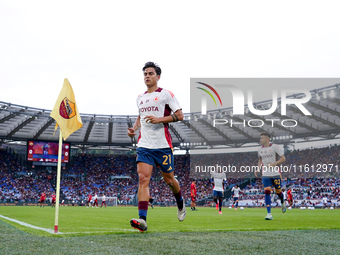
<point>156,99</point>
<point>67,109</point>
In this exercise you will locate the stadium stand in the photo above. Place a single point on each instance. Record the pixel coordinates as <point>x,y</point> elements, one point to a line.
<point>113,171</point>
<point>115,175</point>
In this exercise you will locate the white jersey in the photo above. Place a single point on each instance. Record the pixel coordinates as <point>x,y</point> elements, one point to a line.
<point>103,198</point>
<point>284,195</point>
<point>95,197</point>
<point>218,181</point>
<point>270,155</point>
<point>324,200</point>
<point>236,191</point>
<point>159,103</point>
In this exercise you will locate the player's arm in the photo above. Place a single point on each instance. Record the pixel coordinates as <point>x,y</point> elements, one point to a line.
<point>259,165</point>
<point>136,126</point>
<point>176,116</point>
<point>194,192</point>
<point>280,161</point>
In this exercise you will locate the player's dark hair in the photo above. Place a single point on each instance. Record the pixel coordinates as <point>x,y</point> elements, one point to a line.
<point>265,134</point>
<point>154,65</point>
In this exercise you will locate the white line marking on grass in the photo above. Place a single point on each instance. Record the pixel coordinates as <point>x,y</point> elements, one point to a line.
<point>90,232</point>
<point>93,232</point>
<point>64,233</point>
<point>29,225</point>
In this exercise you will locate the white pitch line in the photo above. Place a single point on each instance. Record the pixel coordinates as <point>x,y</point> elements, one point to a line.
<point>29,225</point>
<point>93,232</point>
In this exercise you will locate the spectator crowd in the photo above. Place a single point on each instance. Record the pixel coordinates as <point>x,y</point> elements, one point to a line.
<point>116,176</point>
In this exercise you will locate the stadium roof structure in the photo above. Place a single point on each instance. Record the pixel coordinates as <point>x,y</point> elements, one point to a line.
<point>19,123</point>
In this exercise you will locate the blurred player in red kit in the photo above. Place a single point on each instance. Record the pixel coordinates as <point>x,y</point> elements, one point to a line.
<point>42,199</point>
<point>53,198</point>
<point>89,199</point>
<point>193,192</point>
<point>95,201</point>
<point>290,197</point>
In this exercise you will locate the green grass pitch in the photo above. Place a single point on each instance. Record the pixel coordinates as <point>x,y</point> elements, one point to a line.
<point>242,231</point>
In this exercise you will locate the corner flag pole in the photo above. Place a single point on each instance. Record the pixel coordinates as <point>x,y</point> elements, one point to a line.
<point>58,183</point>
<point>65,113</point>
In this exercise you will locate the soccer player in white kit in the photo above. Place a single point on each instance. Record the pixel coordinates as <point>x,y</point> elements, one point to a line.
<point>324,201</point>
<point>157,107</point>
<point>270,156</point>
<point>218,189</point>
<point>103,200</point>
<point>236,191</point>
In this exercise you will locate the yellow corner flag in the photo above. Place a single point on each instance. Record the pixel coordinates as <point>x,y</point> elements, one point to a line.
<point>65,111</point>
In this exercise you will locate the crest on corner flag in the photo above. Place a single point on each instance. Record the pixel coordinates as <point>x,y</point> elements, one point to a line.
<point>65,111</point>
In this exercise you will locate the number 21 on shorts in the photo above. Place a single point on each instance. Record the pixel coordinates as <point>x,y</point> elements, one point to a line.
<point>167,158</point>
